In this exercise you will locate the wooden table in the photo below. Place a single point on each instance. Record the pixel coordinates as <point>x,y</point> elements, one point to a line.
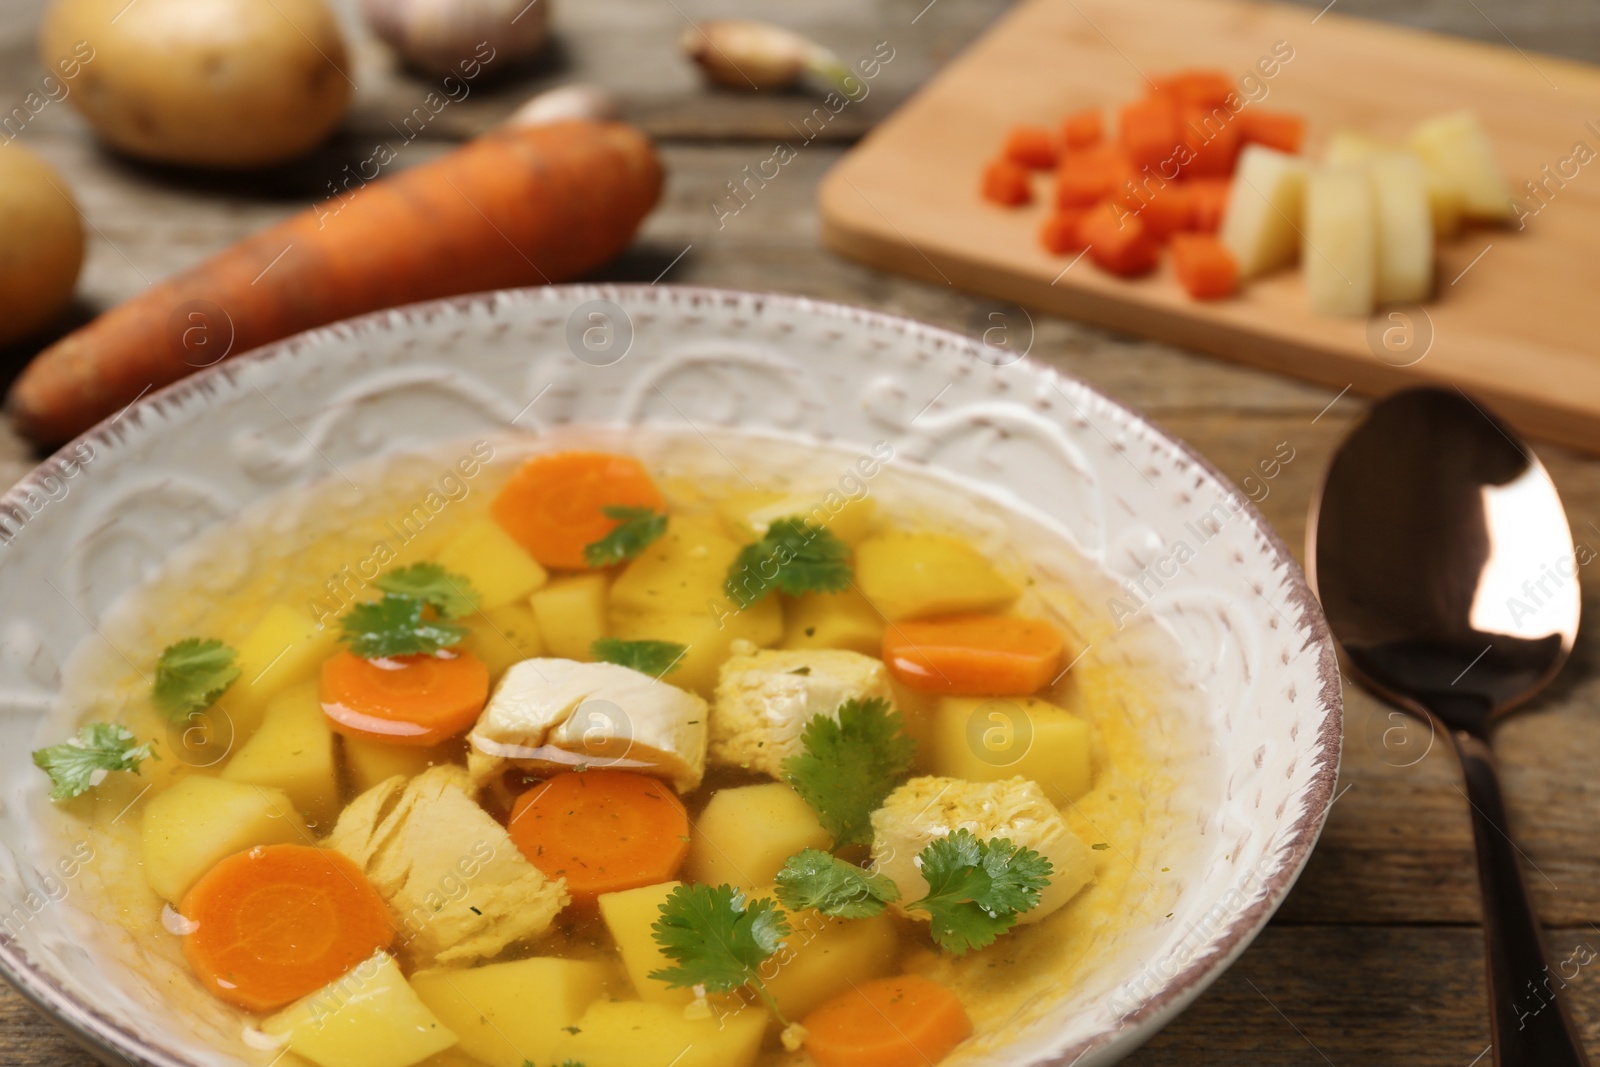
<point>1376,957</point>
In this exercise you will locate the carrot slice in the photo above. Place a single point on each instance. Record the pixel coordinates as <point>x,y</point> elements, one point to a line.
<point>1205,267</point>
<point>1215,135</point>
<point>552,506</point>
<point>1118,241</point>
<point>1282,130</point>
<point>1205,88</point>
<point>602,831</point>
<point>973,655</point>
<point>1031,146</point>
<point>1089,176</point>
<point>279,921</point>
<point>1006,183</point>
<point>1148,131</point>
<point>1081,129</point>
<point>905,1021</point>
<point>1208,199</point>
<point>1164,210</point>
<point>407,700</point>
<point>1059,234</point>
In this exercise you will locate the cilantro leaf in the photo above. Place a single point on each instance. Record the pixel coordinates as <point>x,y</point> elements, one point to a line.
<point>654,658</point>
<point>191,675</point>
<point>976,889</point>
<point>397,626</point>
<point>850,765</point>
<point>73,765</point>
<point>794,557</point>
<point>635,529</point>
<point>717,938</point>
<point>812,878</point>
<point>451,595</point>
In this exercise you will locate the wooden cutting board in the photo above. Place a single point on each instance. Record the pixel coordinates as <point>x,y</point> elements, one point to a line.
<point>1516,318</point>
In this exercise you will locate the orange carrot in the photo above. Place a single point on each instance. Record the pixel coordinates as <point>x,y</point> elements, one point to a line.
<point>1118,241</point>
<point>1214,135</point>
<point>1204,88</point>
<point>905,1021</point>
<point>1205,267</point>
<point>279,921</point>
<point>553,506</point>
<point>1282,130</point>
<point>1081,129</point>
<point>1059,234</point>
<point>601,830</point>
<point>408,700</point>
<point>1089,176</point>
<point>1031,146</point>
<point>518,206</point>
<point>1006,183</point>
<point>1148,132</point>
<point>1164,209</point>
<point>973,655</point>
<point>1208,199</point>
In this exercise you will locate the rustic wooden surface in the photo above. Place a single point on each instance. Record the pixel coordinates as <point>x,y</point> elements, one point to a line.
<point>1375,958</point>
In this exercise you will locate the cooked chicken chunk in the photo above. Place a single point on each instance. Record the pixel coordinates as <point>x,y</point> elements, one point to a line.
<point>1014,808</point>
<point>459,886</point>
<point>765,698</point>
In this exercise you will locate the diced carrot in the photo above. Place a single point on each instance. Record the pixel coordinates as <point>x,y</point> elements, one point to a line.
<point>1089,176</point>
<point>601,830</point>
<point>1204,88</point>
<point>1163,208</point>
<point>553,505</point>
<point>1059,234</point>
<point>1205,267</point>
<point>1081,129</point>
<point>1214,135</point>
<point>1118,241</point>
<point>973,655</point>
<point>905,1021</point>
<point>1148,132</point>
<point>1283,130</point>
<point>407,700</point>
<point>1006,183</point>
<point>279,921</point>
<point>1208,199</point>
<point>1031,146</point>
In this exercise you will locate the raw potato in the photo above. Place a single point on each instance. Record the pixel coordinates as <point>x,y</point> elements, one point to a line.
<point>1404,228</point>
<point>984,740</point>
<point>833,620</point>
<point>636,1033</point>
<point>490,559</point>
<point>747,832</point>
<point>1444,199</point>
<point>912,575</point>
<point>41,243</point>
<point>199,821</point>
<point>216,83</point>
<point>369,1017</point>
<point>1458,147</point>
<point>572,614</point>
<point>1340,257</point>
<point>629,916</point>
<point>1261,224</point>
<point>506,1013</point>
<point>292,750</point>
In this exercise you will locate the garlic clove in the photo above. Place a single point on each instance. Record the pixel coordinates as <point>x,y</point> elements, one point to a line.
<point>459,36</point>
<point>758,56</point>
<point>566,102</point>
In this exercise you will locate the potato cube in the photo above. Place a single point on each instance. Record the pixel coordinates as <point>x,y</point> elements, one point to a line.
<point>746,832</point>
<point>629,915</point>
<point>1340,256</point>
<point>370,762</point>
<point>981,739</point>
<point>369,1017</point>
<point>637,1033</point>
<point>911,575</point>
<point>201,820</point>
<point>824,957</point>
<point>833,620</point>
<point>681,573</point>
<point>572,615</point>
<point>1404,228</point>
<point>849,519</point>
<point>292,750</point>
<point>287,646</point>
<point>708,638</point>
<point>1261,224</point>
<point>1457,147</point>
<point>497,566</point>
<point>505,1013</point>
<point>503,636</point>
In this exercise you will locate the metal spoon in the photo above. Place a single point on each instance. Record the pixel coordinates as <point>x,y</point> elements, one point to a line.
<point>1445,564</point>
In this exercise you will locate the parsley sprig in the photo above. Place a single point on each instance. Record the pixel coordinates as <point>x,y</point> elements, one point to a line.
<point>654,658</point>
<point>414,614</point>
<point>451,595</point>
<point>812,878</point>
<point>850,765</point>
<point>977,889</point>
<point>73,766</point>
<point>636,528</point>
<point>718,939</point>
<point>191,675</point>
<point>794,557</point>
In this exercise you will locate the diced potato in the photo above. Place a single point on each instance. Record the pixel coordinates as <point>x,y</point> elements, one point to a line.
<point>292,750</point>
<point>746,832</point>
<point>1261,224</point>
<point>1457,147</point>
<point>499,569</point>
<point>629,915</point>
<point>848,519</point>
<point>450,1057</point>
<point>833,620</point>
<point>709,640</point>
<point>572,614</point>
<point>369,1017</point>
<point>1444,199</point>
<point>1352,146</point>
<point>287,646</point>
<point>503,636</point>
<point>1340,256</point>
<point>1404,228</point>
<point>681,573</point>
<point>201,820</point>
<point>370,762</point>
<point>984,740</point>
<point>910,575</point>
<point>823,957</point>
<point>637,1033</point>
<point>506,1013</point>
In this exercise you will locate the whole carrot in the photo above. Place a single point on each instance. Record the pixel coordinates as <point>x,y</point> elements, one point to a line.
<point>519,206</point>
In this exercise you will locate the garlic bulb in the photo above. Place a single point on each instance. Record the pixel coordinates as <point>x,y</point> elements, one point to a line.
<point>758,56</point>
<point>459,36</point>
<point>577,101</point>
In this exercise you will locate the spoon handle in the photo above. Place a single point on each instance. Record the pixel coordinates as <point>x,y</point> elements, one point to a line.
<point>1531,1024</point>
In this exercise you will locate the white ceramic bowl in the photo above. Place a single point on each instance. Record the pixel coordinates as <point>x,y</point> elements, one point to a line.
<point>1253,674</point>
